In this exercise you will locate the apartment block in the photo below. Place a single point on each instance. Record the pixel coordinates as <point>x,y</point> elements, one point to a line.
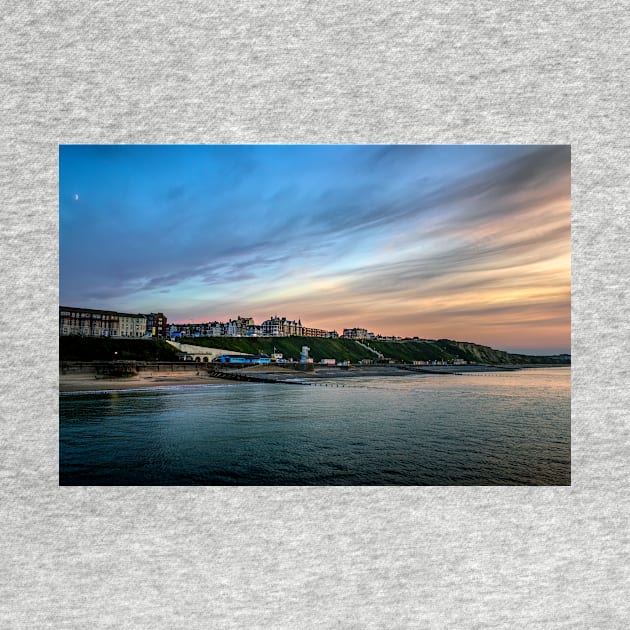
<point>281,327</point>
<point>88,322</point>
<point>355,333</point>
<point>314,332</point>
<point>157,325</point>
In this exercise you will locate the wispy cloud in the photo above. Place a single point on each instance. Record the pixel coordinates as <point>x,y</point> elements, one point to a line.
<point>404,239</point>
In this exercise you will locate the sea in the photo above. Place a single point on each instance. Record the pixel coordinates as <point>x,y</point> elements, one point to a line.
<point>491,428</point>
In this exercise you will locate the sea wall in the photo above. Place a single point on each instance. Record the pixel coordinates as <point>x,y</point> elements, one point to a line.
<point>115,367</point>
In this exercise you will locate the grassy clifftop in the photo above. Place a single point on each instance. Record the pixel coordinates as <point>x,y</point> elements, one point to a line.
<point>89,349</point>
<point>342,349</point>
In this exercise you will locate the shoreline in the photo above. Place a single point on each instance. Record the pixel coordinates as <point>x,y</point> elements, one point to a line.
<point>89,382</point>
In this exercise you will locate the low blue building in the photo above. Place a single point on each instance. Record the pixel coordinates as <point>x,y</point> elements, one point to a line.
<point>244,359</point>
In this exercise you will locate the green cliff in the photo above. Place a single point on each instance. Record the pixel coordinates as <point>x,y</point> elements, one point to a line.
<point>346,349</point>
<point>89,349</point>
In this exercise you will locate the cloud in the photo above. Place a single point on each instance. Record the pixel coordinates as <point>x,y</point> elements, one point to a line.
<point>347,233</point>
<point>494,192</point>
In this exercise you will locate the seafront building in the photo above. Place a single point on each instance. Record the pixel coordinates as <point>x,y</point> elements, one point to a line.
<point>238,327</point>
<point>317,332</point>
<point>357,333</point>
<point>88,322</point>
<point>246,327</point>
<point>157,325</point>
<point>281,327</point>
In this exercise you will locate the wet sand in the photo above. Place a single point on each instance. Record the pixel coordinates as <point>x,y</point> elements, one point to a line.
<point>274,372</point>
<point>89,382</point>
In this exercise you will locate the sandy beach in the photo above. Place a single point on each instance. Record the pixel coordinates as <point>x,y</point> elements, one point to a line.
<point>90,382</point>
<point>78,382</point>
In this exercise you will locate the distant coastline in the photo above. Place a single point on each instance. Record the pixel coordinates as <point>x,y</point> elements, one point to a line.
<point>87,380</point>
<point>76,348</point>
<point>99,364</point>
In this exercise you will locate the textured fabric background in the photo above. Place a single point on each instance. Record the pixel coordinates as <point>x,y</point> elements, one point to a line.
<point>349,72</point>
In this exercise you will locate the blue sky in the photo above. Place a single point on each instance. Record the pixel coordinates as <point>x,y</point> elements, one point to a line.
<point>466,242</point>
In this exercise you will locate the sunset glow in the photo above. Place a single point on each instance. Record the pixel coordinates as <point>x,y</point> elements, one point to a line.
<point>465,242</point>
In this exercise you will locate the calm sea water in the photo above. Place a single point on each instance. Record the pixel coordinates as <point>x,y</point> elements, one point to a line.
<point>491,428</point>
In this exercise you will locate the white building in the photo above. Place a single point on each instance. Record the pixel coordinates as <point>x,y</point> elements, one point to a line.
<point>132,325</point>
<point>281,327</point>
<point>355,333</point>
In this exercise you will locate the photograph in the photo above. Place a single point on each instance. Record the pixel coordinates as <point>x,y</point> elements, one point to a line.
<point>314,315</point>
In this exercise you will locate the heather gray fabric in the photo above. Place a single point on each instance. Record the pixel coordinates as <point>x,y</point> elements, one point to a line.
<point>321,557</point>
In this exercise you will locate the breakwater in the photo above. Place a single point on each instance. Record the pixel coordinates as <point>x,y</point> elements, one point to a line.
<point>238,375</point>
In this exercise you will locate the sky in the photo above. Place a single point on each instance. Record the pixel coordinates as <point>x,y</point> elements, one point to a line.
<point>466,242</point>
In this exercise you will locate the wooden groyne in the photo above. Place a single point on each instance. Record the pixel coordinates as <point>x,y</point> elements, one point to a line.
<point>237,375</point>
<point>423,370</point>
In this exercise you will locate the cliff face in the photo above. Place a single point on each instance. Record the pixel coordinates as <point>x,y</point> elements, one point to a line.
<point>478,354</point>
<point>484,354</point>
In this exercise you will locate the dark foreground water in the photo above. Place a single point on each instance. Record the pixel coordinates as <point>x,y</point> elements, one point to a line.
<point>493,428</point>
